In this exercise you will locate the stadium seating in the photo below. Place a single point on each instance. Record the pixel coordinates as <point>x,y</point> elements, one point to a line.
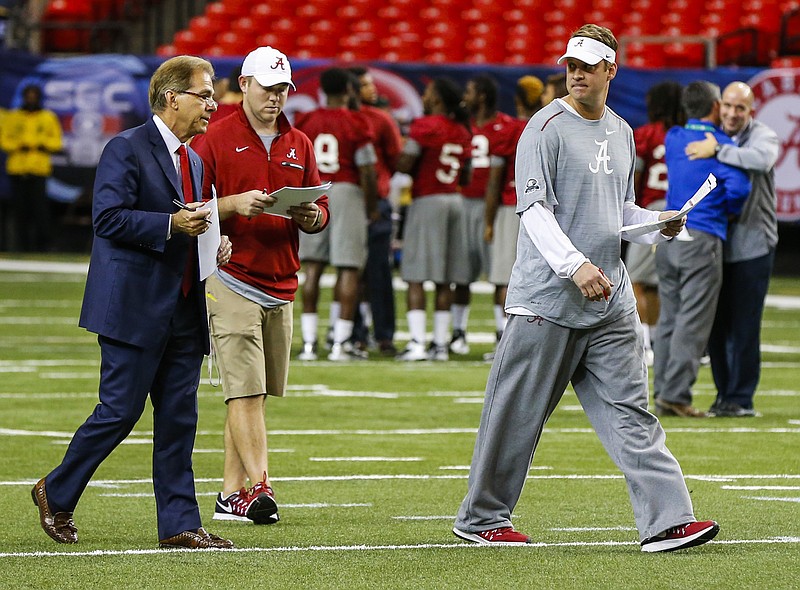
<point>477,31</point>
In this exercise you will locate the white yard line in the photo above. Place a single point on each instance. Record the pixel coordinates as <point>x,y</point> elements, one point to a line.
<point>365,459</point>
<point>343,548</point>
<point>719,478</point>
<point>413,432</point>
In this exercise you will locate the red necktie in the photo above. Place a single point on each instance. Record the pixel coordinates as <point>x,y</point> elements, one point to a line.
<point>188,197</point>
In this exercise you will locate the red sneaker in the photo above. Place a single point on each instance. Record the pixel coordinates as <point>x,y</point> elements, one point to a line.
<point>502,536</point>
<point>681,537</point>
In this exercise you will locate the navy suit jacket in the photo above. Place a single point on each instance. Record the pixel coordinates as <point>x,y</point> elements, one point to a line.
<point>135,272</point>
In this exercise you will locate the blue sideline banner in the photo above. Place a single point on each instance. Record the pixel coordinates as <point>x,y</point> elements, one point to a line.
<point>97,96</point>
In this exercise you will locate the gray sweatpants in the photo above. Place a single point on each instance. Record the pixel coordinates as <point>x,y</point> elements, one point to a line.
<point>689,280</point>
<point>534,363</point>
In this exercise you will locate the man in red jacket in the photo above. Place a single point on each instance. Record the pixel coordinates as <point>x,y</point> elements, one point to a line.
<point>253,152</point>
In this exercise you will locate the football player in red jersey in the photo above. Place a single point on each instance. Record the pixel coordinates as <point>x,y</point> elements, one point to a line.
<point>343,143</point>
<point>502,221</point>
<point>436,155</point>
<point>650,180</point>
<point>377,277</point>
<point>492,130</point>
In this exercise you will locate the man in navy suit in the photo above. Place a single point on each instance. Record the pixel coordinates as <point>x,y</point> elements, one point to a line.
<point>146,303</point>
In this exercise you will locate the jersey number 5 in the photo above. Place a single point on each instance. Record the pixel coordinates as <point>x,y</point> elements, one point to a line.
<point>451,164</point>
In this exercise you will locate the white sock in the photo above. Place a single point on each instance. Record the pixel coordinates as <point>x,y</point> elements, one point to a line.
<point>500,318</point>
<point>441,328</point>
<point>651,335</point>
<point>334,312</point>
<point>646,333</point>
<point>416,324</point>
<point>308,327</point>
<point>366,314</point>
<point>460,315</point>
<point>342,330</point>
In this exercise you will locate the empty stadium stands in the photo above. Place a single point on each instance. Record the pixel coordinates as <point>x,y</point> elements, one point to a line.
<point>472,31</point>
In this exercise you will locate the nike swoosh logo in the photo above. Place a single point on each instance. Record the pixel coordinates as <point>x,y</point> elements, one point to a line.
<point>238,149</point>
<point>225,508</point>
<point>610,132</point>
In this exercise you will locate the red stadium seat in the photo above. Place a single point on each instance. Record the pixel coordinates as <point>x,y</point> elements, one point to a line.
<point>168,50</point>
<point>232,43</point>
<point>267,12</point>
<point>188,42</point>
<point>222,13</point>
<point>247,27</point>
<point>58,38</point>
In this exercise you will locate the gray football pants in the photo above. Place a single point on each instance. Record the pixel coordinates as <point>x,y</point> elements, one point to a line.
<point>534,363</point>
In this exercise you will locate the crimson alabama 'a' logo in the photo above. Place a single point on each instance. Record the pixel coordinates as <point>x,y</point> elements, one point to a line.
<point>777,105</point>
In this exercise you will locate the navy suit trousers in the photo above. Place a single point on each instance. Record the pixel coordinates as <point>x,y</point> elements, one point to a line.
<point>170,374</point>
<point>735,341</point>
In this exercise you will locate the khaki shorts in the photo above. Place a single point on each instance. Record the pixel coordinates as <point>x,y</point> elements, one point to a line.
<point>251,343</point>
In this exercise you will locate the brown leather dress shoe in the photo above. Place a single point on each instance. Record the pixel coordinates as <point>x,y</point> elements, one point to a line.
<point>664,408</point>
<point>199,539</point>
<point>59,526</point>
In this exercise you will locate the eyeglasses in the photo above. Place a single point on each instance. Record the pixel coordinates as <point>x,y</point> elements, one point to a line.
<point>206,99</point>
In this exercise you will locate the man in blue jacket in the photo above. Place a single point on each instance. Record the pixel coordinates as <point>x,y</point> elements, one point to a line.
<point>690,266</point>
<point>145,301</point>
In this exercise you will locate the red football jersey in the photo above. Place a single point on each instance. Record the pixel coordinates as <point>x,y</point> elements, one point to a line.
<point>649,140</point>
<point>486,141</point>
<point>508,150</point>
<point>337,134</point>
<point>445,149</point>
<point>388,144</point>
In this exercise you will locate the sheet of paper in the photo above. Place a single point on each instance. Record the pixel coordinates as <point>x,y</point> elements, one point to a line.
<point>645,228</point>
<point>291,196</point>
<point>208,242</point>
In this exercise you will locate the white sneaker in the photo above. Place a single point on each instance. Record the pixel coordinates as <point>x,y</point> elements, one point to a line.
<point>329,339</point>
<point>414,351</point>
<point>341,353</point>
<point>458,343</point>
<point>309,352</point>
<point>438,352</point>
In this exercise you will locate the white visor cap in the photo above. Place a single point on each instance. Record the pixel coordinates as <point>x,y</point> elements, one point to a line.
<point>589,51</point>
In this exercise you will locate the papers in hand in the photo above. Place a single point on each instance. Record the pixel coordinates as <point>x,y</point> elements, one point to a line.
<point>292,196</point>
<point>645,228</point>
<point>208,242</point>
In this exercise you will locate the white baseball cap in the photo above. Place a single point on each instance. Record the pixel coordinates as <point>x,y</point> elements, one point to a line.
<point>268,66</point>
<point>589,51</point>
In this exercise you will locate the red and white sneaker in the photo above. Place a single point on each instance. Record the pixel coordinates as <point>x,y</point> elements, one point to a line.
<point>254,505</point>
<point>680,537</point>
<point>502,536</point>
<point>234,507</point>
<point>263,508</point>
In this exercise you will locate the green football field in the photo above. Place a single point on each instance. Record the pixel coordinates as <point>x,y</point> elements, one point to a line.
<point>369,462</point>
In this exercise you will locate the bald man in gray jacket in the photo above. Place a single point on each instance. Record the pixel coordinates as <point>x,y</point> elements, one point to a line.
<point>749,253</point>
